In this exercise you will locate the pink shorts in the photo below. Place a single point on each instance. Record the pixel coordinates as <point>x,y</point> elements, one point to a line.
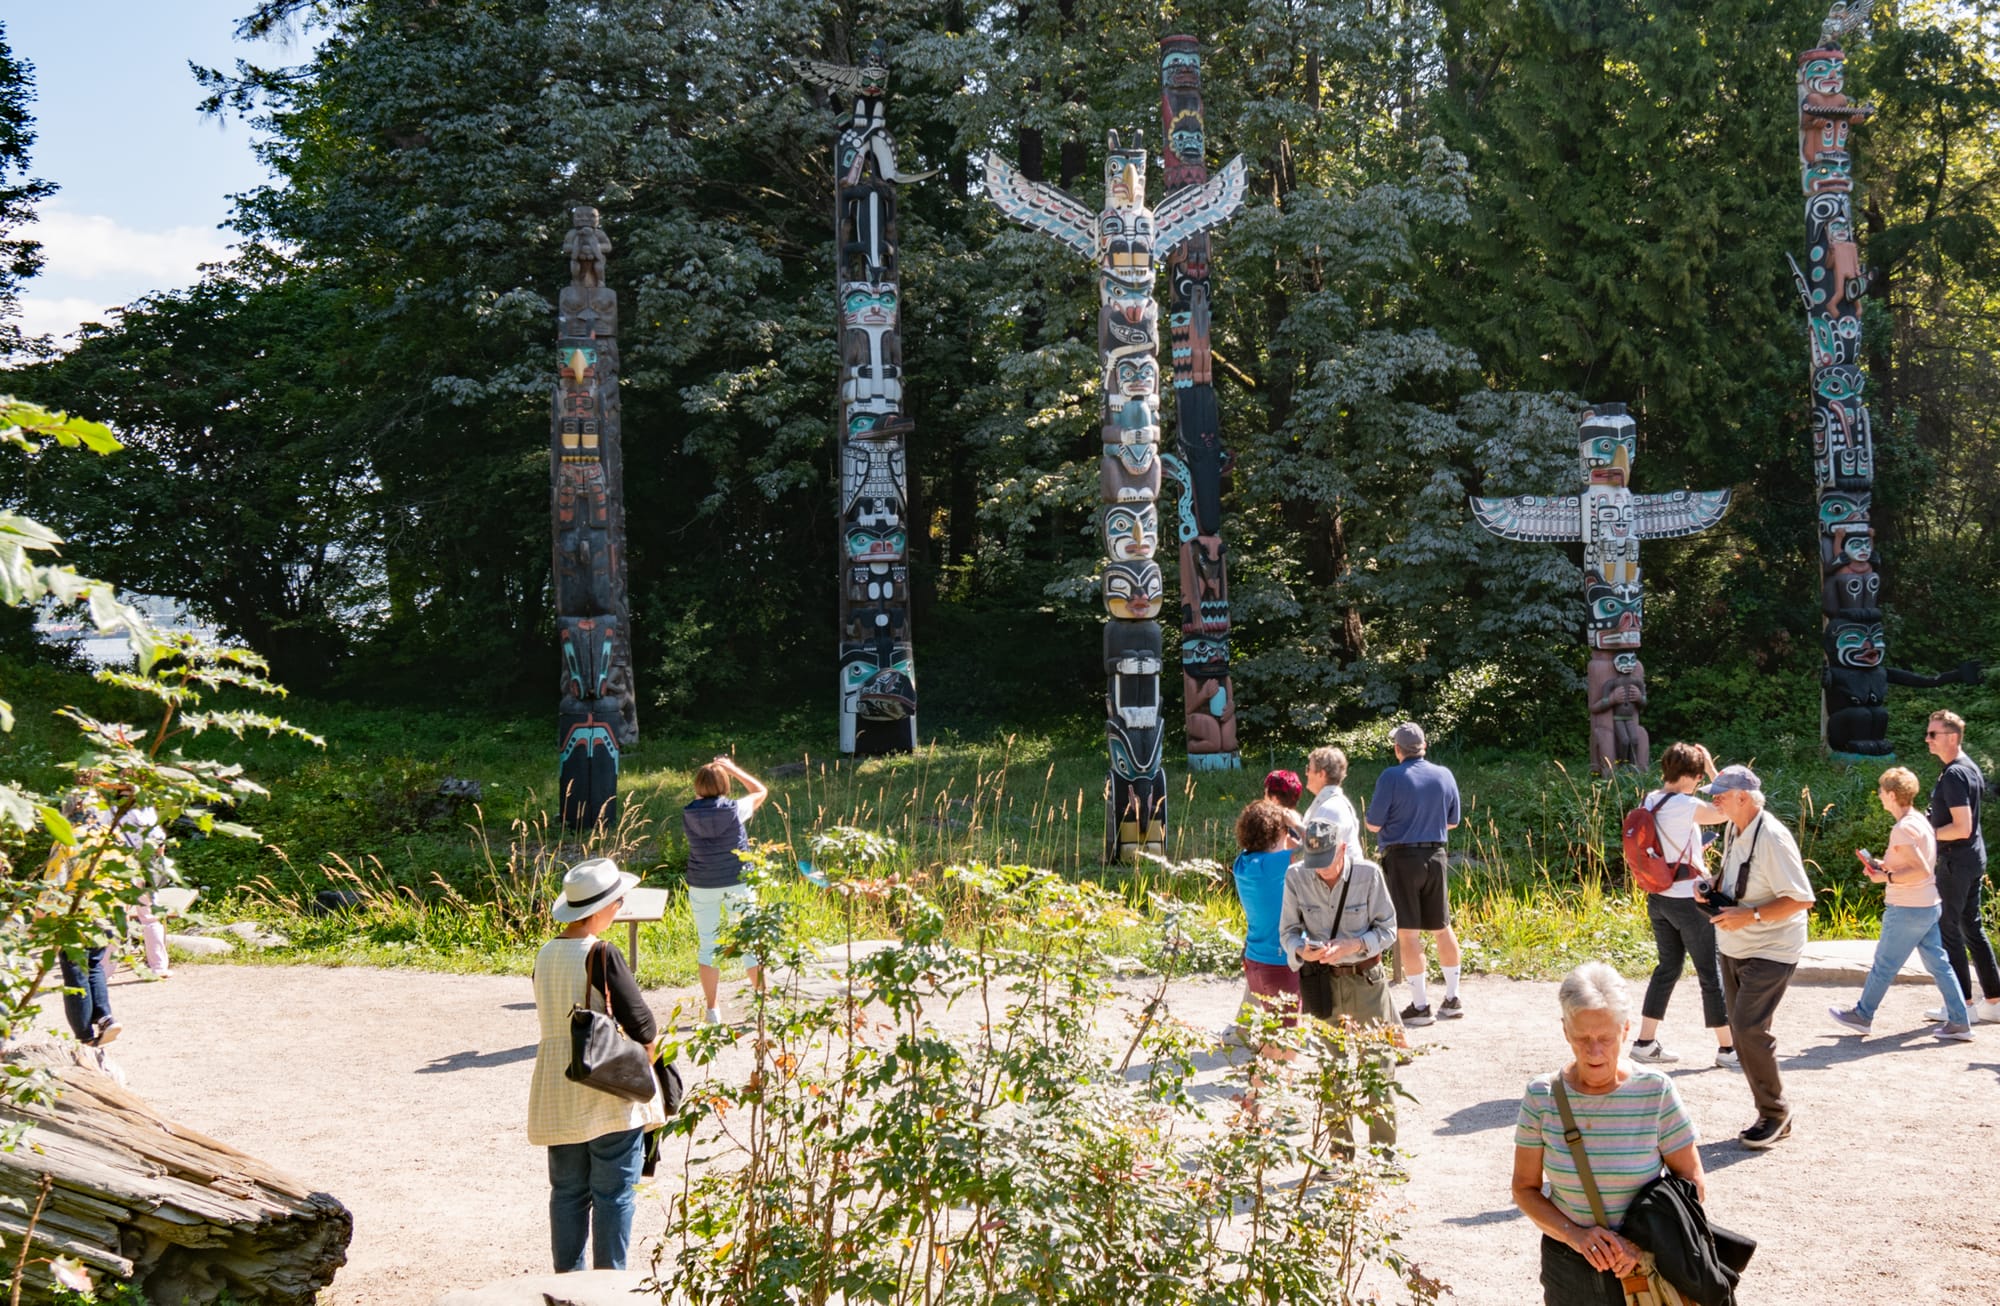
<point>1277,985</point>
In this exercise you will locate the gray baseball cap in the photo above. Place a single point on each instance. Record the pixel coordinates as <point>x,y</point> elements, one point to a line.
<point>1409,737</point>
<point>1734,780</point>
<point>1321,842</point>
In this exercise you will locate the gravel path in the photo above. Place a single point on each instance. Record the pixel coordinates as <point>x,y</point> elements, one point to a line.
<point>403,1095</point>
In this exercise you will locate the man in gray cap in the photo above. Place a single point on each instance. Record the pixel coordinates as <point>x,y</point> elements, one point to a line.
<point>1335,922</point>
<point>1415,803</point>
<point>1760,935</point>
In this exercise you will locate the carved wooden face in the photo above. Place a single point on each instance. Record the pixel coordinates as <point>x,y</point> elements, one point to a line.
<point>1131,531</point>
<point>1128,473</point>
<point>1132,590</point>
<point>866,304</point>
<point>1842,509</point>
<point>1124,175</point>
<point>1613,617</point>
<point>1857,644</point>
<point>1607,444</point>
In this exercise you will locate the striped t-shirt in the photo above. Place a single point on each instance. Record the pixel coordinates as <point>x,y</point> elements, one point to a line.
<point>1625,1133</point>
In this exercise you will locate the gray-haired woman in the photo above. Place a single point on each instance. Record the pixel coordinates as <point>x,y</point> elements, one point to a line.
<point>1632,1122</point>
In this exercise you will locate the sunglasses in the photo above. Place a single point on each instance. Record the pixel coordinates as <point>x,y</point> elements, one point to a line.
<point>1935,734</point>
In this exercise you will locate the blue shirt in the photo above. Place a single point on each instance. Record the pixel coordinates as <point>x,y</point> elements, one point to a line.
<point>1415,802</point>
<point>1260,883</point>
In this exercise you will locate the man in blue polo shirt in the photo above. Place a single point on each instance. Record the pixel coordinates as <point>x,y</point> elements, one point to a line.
<point>1415,803</point>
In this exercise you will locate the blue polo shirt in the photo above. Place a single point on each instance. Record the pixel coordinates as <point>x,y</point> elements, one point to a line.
<point>1260,883</point>
<point>1415,802</point>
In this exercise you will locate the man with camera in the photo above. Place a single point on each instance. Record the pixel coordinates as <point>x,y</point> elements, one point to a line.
<point>1760,900</point>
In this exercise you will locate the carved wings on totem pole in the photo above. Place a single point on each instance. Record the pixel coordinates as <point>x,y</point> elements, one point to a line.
<point>868,133</point>
<point>1542,519</point>
<point>1182,215</point>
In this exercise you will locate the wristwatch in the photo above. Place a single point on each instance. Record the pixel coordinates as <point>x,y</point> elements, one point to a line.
<point>1757,914</point>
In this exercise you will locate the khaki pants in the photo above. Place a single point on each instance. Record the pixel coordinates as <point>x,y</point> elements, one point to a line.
<point>1365,1000</point>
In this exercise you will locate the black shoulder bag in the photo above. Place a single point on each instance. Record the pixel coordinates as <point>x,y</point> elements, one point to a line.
<point>600,1056</point>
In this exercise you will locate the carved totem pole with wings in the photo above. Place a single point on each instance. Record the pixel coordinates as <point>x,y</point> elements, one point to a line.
<point>1610,520</point>
<point>878,685</point>
<point>597,714</point>
<point>1123,241</point>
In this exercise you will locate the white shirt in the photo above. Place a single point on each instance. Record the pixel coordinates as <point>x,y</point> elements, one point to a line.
<point>1680,837</point>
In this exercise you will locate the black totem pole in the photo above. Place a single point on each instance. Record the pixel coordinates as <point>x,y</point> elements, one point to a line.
<point>597,715</point>
<point>878,686</point>
<point>1209,708</point>
<point>1856,678</point>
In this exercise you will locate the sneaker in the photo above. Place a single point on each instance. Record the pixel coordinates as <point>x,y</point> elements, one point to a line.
<point>1954,1033</point>
<point>108,1031</point>
<point>1726,1059</point>
<point>1416,1015</point>
<point>1766,1133</point>
<point>1653,1052</point>
<point>1848,1018</point>
<point>1984,1012</point>
<point>1451,1008</point>
<point>714,1017</point>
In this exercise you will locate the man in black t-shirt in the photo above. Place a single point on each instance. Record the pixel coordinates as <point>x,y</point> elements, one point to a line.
<point>1961,862</point>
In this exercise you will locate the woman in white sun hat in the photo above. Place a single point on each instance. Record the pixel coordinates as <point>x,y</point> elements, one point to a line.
<point>595,1139</point>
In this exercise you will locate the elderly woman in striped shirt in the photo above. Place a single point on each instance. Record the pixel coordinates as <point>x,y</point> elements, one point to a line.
<point>1632,1122</point>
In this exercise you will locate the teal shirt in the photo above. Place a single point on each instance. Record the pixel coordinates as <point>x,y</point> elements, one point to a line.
<point>1260,883</point>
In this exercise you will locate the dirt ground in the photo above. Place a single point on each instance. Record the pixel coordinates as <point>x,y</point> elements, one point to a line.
<point>404,1094</point>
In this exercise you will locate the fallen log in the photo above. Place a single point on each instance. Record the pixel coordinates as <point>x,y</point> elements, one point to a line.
<point>134,1196</point>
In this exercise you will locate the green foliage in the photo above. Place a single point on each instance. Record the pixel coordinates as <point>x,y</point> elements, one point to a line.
<point>893,1158</point>
<point>20,258</point>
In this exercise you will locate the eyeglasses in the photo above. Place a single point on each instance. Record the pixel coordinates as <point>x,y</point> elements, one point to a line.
<point>1935,734</point>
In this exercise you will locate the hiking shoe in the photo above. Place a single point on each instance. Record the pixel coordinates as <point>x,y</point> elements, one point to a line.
<point>1766,1133</point>
<point>1726,1059</point>
<point>1848,1018</point>
<point>1954,1033</point>
<point>1416,1015</point>
<point>1451,1008</point>
<point>1653,1052</point>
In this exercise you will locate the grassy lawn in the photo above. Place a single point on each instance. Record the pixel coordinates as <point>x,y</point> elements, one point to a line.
<point>461,887</point>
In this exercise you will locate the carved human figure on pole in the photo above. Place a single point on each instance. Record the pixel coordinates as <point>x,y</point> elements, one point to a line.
<point>1856,676</point>
<point>1123,240</point>
<point>1209,703</point>
<point>597,713</point>
<point>1611,522</point>
<point>878,687</point>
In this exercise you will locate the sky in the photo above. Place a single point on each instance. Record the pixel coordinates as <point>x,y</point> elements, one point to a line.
<point>145,178</point>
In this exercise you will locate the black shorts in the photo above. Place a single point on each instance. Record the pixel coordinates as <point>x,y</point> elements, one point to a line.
<point>1415,875</point>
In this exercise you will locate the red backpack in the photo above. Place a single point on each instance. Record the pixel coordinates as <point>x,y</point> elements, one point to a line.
<point>1648,865</point>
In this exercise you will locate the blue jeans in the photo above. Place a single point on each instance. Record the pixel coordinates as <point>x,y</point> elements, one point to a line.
<point>86,999</point>
<point>1906,930</point>
<point>590,1191</point>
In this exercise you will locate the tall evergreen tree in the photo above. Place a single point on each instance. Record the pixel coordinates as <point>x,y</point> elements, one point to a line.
<point>20,257</point>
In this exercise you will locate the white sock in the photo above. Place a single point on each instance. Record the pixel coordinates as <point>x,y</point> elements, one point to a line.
<point>1417,997</point>
<point>1450,980</point>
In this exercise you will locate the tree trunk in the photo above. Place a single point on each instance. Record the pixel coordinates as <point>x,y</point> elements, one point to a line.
<point>137,1197</point>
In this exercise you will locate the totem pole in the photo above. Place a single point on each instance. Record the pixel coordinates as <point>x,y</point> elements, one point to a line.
<point>1210,703</point>
<point>1123,241</point>
<point>1855,680</point>
<point>1610,520</point>
<point>597,715</point>
<point>878,688</point>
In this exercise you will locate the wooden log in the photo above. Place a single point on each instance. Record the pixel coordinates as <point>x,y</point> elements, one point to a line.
<point>135,1196</point>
